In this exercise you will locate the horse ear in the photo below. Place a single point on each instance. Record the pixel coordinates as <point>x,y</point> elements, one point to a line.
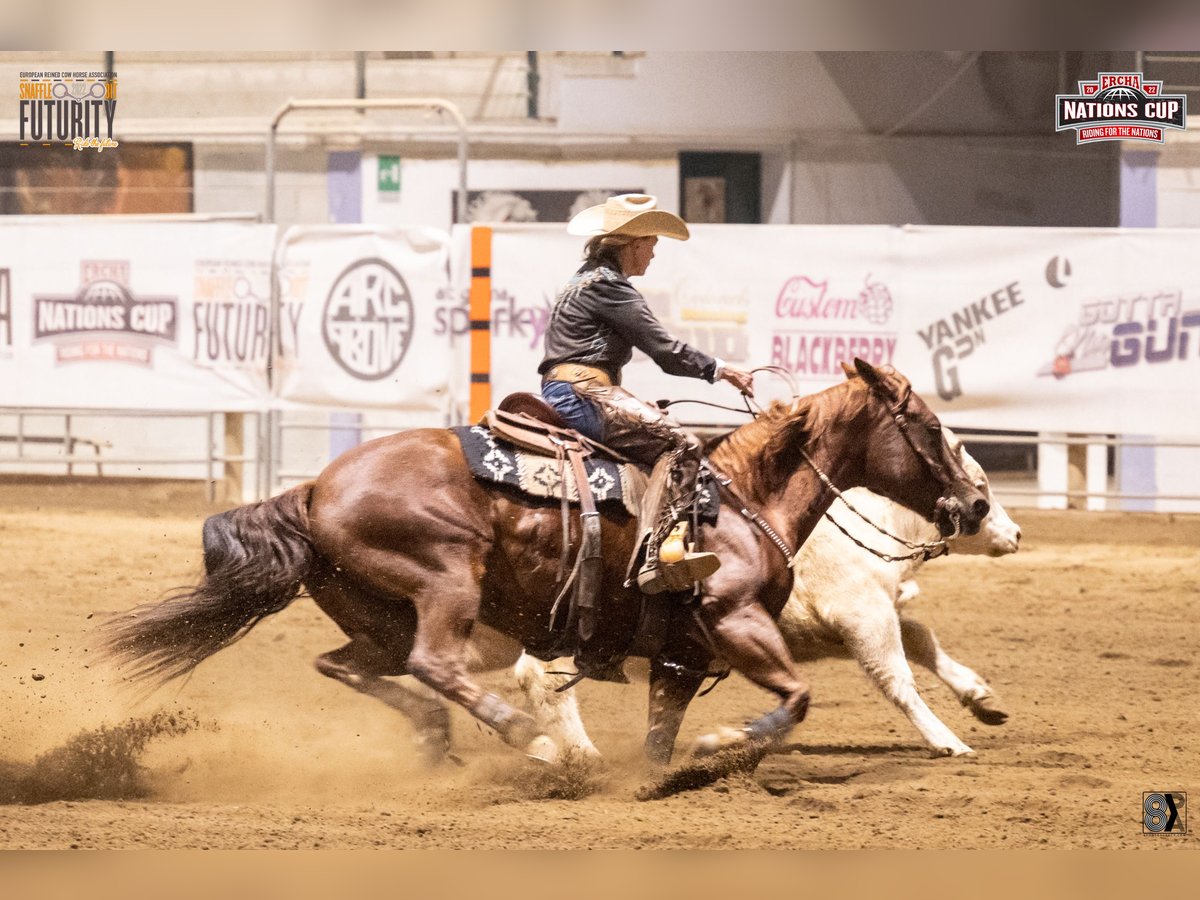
<point>850,371</point>
<point>868,372</point>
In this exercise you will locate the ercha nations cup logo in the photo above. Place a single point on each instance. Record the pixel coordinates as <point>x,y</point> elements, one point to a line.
<point>103,320</point>
<point>75,109</point>
<point>1120,106</point>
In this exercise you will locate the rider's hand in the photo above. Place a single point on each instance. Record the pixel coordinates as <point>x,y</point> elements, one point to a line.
<point>741,379</point>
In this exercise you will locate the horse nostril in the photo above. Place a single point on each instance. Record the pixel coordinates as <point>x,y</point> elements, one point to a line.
<point>1017,536</point>
<point>980,508</point>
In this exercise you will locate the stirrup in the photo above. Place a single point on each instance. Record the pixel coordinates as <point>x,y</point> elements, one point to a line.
<point>677,576</point>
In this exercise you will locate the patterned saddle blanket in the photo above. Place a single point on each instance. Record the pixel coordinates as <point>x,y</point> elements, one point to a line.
<point>491,459</point>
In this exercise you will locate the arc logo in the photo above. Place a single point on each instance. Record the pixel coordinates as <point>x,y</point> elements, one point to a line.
<point>368,319</point>
<point>1120,106</point>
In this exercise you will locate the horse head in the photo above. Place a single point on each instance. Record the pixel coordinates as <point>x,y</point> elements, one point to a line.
<point>998,534</point>
<point>908,458</point>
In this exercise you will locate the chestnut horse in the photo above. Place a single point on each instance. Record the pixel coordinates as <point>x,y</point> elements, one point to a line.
<point>405,550</point>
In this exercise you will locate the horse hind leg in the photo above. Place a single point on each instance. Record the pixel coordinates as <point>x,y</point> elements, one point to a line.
<point>361,664</point>
<point>439,659</point>
<point>556,714</point>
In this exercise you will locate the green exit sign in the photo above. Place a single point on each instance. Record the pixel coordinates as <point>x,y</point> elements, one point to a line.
<point>389,175</point>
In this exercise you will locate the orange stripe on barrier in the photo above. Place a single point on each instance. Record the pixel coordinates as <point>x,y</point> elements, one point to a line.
<point>480,311</point>
<point>481,355</point>
<point>481,401</point>
<point>481,247</point>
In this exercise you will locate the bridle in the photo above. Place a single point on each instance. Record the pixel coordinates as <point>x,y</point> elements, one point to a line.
<point>923,550</point>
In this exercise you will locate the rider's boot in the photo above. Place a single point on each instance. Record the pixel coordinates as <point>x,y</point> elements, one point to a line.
<point>673,567</point>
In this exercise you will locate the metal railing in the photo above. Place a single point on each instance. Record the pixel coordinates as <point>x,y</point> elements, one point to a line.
<point>434,103</point>
<point>265,473</point>
<point>211,459</point>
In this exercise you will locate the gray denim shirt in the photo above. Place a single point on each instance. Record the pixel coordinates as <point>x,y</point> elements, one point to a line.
<point>599,317</point>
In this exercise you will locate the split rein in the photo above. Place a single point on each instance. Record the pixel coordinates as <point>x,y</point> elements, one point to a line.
<point>919,550</point>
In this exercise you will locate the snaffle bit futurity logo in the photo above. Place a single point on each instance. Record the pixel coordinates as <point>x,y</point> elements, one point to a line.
<point>75,109</point>
<point>1120,106</point>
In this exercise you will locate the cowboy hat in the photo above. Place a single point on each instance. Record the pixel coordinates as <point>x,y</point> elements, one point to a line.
<point>632,214</point>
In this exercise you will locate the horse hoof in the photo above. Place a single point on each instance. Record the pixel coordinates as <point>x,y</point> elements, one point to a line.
<point>542,749</point>
<point>721,739</point>
<point>987,710</point>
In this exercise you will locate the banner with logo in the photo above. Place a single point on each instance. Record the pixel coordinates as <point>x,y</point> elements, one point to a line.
<point>1054,329</point>
<point>1089,330</point>
<point>801,298</point>
<point>358,318</point>
<point>134,315</point>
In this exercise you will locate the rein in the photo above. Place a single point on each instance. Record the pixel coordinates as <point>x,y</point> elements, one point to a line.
<point>924,550</point>
<point>920,550</point>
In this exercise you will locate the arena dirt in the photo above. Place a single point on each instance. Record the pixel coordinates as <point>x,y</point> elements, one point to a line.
<point>1088,635</point>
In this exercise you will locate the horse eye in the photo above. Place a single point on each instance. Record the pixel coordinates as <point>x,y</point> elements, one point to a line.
<point>980,484</point>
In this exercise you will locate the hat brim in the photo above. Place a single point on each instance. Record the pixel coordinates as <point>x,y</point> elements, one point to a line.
<point>652,223</point>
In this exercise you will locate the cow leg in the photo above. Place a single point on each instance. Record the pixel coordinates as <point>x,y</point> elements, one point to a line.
<point>556,715</point>
<point>875,642</point>
<point>923,648</point>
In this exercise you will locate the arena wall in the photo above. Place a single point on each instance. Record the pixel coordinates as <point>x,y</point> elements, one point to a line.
<point>1059,333</point>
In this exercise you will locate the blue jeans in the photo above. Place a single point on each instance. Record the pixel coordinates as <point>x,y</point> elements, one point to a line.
<point>579,413</point>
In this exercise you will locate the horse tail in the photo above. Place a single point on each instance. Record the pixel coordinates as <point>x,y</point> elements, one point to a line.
<point>255,559</point>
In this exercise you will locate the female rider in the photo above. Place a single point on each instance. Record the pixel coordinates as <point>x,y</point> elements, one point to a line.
<point>598,318</point>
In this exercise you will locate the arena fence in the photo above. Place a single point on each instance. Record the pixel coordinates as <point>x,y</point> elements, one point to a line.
<point>1084,339</point>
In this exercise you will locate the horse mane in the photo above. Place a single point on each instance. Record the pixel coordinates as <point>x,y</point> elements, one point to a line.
<point>767,451</point>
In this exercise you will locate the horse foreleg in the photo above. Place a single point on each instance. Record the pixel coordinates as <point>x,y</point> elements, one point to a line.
<point>921,647</point>
<point>749,640</point>
<point>671,690</point>
<point>352,665</point>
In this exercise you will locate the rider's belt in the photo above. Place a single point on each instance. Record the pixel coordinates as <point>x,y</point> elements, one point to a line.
<point>574,373</point>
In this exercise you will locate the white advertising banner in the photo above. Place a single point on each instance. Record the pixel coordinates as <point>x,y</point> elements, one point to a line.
<point>802,298</point>
<point>1034,329</point>
<point>134,315</point>
<point>359,319</point>
<point>1040,329</point>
